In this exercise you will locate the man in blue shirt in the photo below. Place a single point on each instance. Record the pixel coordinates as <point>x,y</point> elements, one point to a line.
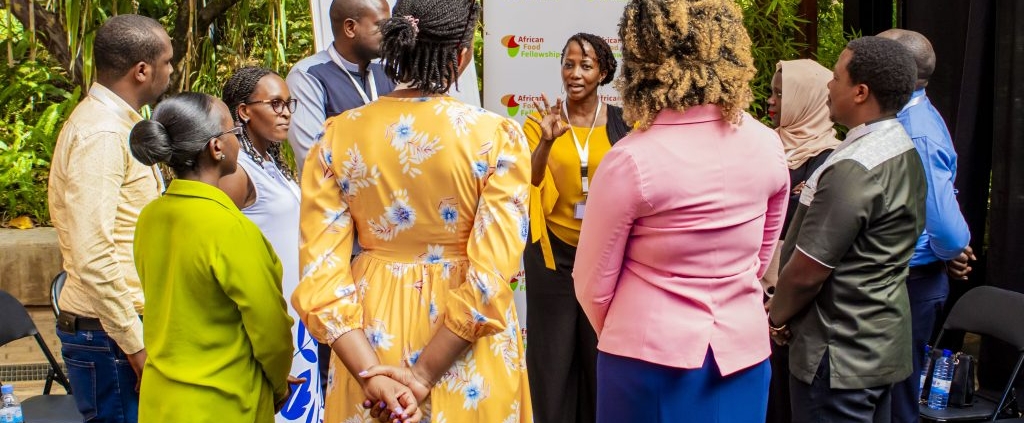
<point>341,77</point>
<point>946,235</point>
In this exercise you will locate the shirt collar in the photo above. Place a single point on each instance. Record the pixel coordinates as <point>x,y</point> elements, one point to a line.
<point>861,130</point>
<point>188,188</point>
<point>351,67</point>
<point>114,102</point>
<point>696,114</point>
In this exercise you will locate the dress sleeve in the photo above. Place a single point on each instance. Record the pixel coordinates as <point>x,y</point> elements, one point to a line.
<point>945,226</point>
<point>617,192</point>
<point>325,298</point>
<point>250,274</point>
<point>483,304</point>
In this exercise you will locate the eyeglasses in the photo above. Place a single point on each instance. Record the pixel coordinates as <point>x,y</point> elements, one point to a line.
<point>278,105</point>
<point>237,130</point>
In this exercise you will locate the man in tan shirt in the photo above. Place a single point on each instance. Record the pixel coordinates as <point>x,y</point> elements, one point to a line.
<point>96,192</point>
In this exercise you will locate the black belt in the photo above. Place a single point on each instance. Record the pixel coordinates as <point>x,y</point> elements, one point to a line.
<point>928,269</point>
<point>71,322</point>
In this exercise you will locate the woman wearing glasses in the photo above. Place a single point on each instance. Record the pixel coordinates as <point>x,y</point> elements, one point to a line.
<point>264,189</point>
<point>216,326</point>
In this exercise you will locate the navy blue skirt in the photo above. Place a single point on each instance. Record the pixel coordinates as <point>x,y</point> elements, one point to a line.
<point>631,390</point>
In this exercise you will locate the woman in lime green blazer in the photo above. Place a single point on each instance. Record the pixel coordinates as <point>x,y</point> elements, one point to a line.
<point>216,330</point>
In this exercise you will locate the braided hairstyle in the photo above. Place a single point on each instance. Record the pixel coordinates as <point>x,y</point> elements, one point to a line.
<point>605,58</point>
<point>678,54</point>
<point>422,40</point>
<point>237,91</point>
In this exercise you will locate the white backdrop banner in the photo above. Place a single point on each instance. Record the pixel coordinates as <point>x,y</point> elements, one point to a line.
<point>523,42</point>
<point>468,91</point>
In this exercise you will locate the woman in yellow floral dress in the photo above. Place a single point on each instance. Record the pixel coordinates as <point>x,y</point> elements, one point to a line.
<point>437,192</point>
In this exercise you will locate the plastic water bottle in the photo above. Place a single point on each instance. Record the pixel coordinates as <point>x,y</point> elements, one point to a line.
<point>924,367</point>
<point>941,380</point>
<point>10,412</point>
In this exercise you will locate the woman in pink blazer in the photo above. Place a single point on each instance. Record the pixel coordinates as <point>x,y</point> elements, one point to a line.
<point>683,217</point>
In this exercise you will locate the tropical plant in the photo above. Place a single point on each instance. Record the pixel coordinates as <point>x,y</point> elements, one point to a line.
<point>32,109</point>
<point>773,27</point>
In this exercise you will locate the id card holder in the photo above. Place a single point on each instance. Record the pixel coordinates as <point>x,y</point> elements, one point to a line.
<point>578,210</point>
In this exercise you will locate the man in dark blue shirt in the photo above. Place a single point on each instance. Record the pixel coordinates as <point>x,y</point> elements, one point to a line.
<point>945,236</point>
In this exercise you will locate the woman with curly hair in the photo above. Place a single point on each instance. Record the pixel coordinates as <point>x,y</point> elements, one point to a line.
<point>568,141</point>
<point>437,192</point>
<point>683,217</point>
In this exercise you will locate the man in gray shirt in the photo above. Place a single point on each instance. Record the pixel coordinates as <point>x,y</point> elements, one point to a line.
<point>841,300</point>
<point>341,77</point>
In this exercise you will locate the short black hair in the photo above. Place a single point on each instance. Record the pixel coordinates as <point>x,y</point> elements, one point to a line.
<point>886,67</point>
<point>125,40</point>
<point>422,39</point>
<point>605,58</point>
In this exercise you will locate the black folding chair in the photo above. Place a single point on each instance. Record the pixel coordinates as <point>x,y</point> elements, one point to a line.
<point>46,408</point>
<point>995,312</point>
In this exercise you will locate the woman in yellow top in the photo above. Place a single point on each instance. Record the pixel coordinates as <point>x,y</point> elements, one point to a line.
<point>437,192</point>
<point>216,329</point>
<point>562,357</point>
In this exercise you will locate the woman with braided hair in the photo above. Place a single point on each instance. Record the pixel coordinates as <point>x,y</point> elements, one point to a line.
<point>264,189</point>
<point>691,206</point>
<point>568,141</point>
<point>437,192</point>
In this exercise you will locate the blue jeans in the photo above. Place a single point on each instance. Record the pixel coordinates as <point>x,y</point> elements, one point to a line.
<point>102,379</point>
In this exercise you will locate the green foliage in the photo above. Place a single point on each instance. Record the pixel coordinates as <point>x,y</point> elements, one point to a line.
<point>33,108</point>
<point>831,38</point>
<point>773,28</point>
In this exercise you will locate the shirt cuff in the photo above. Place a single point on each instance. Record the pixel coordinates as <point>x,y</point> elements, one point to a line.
<point>129,339</point>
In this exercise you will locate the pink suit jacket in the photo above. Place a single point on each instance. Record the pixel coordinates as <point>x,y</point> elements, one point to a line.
<point>680,225</point>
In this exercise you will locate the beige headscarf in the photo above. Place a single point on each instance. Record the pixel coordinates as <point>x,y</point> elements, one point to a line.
<point>804,124</point>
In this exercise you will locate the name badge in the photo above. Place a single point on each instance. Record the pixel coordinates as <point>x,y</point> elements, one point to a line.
<point>578,210</point>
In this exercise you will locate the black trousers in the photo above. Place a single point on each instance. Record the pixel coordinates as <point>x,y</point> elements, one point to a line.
<point>561,351</point>
<point>819,403</point>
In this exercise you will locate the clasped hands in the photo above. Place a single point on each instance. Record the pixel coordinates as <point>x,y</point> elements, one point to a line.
<point>394,394</point>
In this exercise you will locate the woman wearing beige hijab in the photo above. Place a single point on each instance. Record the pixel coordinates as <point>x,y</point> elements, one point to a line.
<point>799,111</point>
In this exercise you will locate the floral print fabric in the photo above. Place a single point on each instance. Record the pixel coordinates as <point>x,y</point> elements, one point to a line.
<point>437,192</point>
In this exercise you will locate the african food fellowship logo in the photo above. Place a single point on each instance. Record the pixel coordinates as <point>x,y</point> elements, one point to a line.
<point>526,46</point>
<point>519,104</point>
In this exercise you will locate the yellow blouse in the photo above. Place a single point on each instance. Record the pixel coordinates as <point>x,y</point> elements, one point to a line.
<point>554,201</point>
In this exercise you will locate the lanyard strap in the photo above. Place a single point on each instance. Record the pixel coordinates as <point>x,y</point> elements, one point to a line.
<point>583,150</point>
<point>359,88</point>
<point>913,102</point>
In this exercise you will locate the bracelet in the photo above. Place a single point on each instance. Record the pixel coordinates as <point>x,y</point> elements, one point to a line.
<point>780,328</point>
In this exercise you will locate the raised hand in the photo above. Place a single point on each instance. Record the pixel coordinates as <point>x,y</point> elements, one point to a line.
<point>552,124</point>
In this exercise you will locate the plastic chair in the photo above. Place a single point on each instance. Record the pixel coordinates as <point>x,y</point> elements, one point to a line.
<point>46,408</point>
<point>55,287</point>
<point>995,312</point>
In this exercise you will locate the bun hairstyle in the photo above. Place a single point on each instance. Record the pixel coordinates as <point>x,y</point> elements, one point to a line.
<point>422,39</point>
<point>180,128</point>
